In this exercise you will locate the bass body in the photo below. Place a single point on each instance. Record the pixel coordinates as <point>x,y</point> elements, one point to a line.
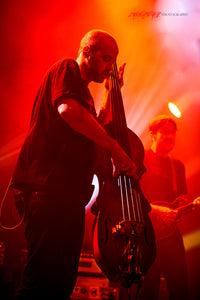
<point>123,237</point>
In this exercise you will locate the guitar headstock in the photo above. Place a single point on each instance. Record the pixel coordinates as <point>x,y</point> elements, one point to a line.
<point>196,202</point>
<point>180,201</point>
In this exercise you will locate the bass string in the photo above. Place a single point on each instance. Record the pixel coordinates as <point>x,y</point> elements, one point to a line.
<point>119,114</point>
<point>119,135</point>
<point>134,205</point>
<point>130,198</point>
<point>122,197</point>
<point>139,206</point>
<point>131,201</point>
<point>126,214</point>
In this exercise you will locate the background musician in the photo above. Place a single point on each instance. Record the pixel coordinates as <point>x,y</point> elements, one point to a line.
<point>163,183</point>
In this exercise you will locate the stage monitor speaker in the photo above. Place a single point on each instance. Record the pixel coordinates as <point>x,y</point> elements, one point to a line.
<point>91,283</point>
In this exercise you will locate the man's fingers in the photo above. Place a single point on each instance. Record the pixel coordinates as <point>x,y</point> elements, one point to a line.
<point>120,74</point>
<point>132,172</point>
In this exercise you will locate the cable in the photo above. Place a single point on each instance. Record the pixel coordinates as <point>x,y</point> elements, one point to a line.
<point>1,208</point>
<point>137,292</point>
<point>129,293</point>
<point>138,289</point>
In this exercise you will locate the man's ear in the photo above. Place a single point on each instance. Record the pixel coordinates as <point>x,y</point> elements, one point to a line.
<point>86,51</point>
<point>152,135</point>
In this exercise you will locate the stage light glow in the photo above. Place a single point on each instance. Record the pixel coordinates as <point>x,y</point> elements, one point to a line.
<point>174,109</point>
<point>95,182</point>
<point>192,240</point>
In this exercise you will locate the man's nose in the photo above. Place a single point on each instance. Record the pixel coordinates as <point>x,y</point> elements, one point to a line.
<point>171,134</point>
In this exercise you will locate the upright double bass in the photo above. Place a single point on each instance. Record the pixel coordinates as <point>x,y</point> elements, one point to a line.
<point>123,238</point>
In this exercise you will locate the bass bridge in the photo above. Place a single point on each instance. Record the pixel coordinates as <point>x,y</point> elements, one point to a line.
<point>128,228</point>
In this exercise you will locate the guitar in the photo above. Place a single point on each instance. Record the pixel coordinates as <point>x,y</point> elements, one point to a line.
<point>163,229</point>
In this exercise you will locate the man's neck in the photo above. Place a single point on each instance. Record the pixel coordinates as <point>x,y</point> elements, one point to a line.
<point>82,69</point>
<point>159,152</point>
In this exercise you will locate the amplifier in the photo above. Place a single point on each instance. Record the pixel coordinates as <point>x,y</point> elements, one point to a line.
<point>91,282</point>
<point>93,290</point>
<point>88,266</point>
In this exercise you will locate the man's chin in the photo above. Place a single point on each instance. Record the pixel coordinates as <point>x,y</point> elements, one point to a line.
<point>100,80</point>
<point>170,147</point>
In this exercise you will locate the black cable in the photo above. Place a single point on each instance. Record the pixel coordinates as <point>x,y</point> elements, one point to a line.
<point>138,289</point>
<point>137,292</point>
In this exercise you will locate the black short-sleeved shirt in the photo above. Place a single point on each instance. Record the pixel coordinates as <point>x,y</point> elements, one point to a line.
<point>157,182</point>
<point>54,156</point>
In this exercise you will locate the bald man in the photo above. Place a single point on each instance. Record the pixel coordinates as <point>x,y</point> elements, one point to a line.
<point>55,167</point>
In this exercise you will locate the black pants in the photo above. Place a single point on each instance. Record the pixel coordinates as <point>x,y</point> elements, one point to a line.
<point>171,263</point>
<point>54,232</point>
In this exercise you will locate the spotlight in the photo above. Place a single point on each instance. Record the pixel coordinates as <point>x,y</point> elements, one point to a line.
<point>174,109</point>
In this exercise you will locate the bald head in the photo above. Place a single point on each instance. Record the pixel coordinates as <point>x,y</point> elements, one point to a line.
<point>96,39</point>
<point>97,52</point>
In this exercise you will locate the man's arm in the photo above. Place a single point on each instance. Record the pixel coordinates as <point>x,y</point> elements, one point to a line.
<point>167,214</point>
<point>83,122</point>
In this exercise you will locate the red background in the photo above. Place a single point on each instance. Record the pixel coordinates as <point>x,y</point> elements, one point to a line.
<point>163,64</point>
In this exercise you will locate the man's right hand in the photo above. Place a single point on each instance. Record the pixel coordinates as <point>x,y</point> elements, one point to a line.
<point>122,162</point>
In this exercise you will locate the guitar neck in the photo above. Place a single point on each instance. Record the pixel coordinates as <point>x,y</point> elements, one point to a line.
<point>186,208</point>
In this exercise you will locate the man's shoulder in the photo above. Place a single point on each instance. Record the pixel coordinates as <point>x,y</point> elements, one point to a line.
<point>178,162</point>
<point>64,63</point>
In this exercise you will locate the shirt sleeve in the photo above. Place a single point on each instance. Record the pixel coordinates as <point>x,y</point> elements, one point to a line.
<point>65,81</point>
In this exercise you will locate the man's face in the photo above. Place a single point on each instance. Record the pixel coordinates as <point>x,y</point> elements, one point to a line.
<point>100,61</point>
<point>165,138</point>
